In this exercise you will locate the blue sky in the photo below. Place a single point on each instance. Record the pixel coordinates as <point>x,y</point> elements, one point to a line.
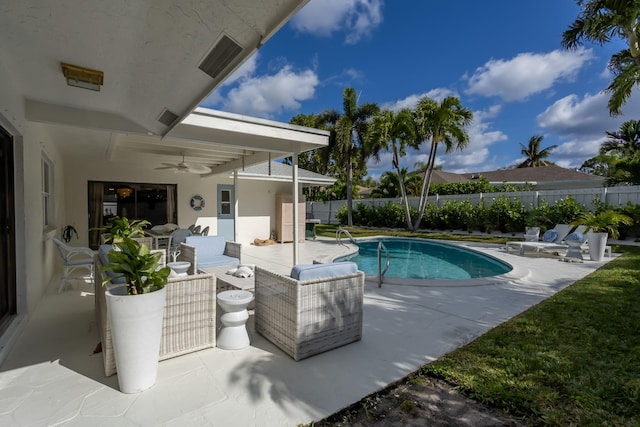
<point>502,58</point>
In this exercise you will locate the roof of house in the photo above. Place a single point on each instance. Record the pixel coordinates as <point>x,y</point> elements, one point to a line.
<point>442,177</point>
<point>277,171</point>
<point>531,175</point>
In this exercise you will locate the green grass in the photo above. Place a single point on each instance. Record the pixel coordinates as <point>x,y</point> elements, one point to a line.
<point>572,360</point>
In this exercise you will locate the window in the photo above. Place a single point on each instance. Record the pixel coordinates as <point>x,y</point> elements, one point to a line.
<point>47,193</point>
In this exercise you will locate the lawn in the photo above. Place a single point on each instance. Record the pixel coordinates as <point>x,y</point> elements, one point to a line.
<point>573,359</point>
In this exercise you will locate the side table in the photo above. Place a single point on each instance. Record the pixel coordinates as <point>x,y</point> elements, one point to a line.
<point>233,334</point>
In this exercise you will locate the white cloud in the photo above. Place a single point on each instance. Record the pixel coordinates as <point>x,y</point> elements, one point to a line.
<point>526,74</point>
<point>263,96</point>
<point>411,101</point>
<point>589,116</point>
<point>246,70</point>
<point>580,124</point>
<point>476,156</point>
<point>573,153</point>
<point>267,96</point>
<point>357,18</point>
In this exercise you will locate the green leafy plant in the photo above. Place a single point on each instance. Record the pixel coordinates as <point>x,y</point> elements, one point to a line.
<point>68,232</point>
<point>604,222</point>
<point>138,265</point>
<point>119,228</point>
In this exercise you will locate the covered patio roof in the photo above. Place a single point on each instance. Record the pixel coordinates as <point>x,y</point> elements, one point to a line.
<point>159,62</point>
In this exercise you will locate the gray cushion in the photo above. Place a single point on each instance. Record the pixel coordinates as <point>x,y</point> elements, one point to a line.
<point>318,271</point>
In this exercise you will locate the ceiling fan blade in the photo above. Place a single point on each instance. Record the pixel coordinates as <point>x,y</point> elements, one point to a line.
<point>167,166</point>
<point>194,168</point>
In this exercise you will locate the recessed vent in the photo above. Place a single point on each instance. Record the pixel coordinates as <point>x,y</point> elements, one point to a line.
<point>167,118</point>
<point>220,56</point>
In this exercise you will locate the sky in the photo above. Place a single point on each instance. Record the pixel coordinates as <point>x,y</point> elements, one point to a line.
<point>502,58</point>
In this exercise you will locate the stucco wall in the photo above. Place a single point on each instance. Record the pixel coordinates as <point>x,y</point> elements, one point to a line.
<point>256,199</point>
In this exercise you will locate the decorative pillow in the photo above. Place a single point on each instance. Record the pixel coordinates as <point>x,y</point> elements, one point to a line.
<point>243,271</point>
<point>575,237</point>
<point>550,236</point>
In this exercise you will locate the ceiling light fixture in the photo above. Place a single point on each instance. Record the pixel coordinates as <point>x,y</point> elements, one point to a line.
<point>81,77</point>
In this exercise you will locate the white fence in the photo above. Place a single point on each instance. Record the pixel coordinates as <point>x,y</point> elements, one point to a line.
<point>617,196</point>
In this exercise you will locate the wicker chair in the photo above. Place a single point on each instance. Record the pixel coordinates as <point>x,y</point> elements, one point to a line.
<point>198,251</point>
<point>307,317</point>
<point>189,322</point>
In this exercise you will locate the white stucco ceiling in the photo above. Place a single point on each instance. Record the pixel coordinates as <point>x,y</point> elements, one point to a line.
<point>150,52</point>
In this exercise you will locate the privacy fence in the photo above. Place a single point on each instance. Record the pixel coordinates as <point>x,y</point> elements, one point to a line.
<point>617,196</point>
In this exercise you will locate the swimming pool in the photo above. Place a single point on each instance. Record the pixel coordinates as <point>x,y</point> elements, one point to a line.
<point>426,260</point>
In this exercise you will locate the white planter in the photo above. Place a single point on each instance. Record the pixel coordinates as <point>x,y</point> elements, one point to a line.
<point>136,329</point>
<point>597,245</point>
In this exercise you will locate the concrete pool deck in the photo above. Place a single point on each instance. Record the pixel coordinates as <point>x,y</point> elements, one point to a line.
<point>51,376</point>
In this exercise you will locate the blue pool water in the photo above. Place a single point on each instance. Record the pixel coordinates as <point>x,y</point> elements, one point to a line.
<point>421,259</point>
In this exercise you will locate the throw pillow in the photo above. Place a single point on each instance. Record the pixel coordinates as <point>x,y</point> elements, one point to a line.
<point>550,236</point>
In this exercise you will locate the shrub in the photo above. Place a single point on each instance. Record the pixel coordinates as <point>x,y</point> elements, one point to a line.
<point>505,215</point>
<point>431,217</point>
<point>633,212</point>
<point>566,211</point>
<point>457,215</point>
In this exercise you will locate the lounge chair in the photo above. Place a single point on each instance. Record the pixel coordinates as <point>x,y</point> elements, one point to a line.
<point>551,240</point>
<point>73,258</point>
<point>315,309</point>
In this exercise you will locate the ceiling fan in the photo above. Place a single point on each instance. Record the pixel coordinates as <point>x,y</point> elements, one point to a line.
<point>186,167</point>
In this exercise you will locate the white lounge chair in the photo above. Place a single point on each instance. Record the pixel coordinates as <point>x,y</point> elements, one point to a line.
<point>551,240</point>
<point>73,257</point>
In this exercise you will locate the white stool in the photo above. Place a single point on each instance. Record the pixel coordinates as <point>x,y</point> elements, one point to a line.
<point>233,334</point>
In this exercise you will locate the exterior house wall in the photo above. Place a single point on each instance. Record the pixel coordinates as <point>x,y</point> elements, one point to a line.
<point>256,198</point>
<point>257,207</point>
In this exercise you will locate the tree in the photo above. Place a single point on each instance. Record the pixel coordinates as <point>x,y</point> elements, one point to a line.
<point>601,21</point>
<point>624,147</point>
<point>601,165</point>
<point>535,156</point>
<point>348,133</point>
<point>392,132</point>
<point>625,142</point>
<point>443,122</point>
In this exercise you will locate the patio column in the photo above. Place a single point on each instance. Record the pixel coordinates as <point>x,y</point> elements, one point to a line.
<point>235,205</point>
<point>296,213</point>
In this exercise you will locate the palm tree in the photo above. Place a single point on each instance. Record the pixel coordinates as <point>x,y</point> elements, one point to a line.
<point>599,22</point>
<point>535,156</point>
<point>625,142</point>
<point>443,122</point>
<point>392,132</point>
<point>348,133</point>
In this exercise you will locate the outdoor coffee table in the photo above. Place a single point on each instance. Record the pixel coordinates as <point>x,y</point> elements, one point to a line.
<point>227,282</point>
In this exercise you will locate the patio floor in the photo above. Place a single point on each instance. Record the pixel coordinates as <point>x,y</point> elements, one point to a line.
<point>51,376</point>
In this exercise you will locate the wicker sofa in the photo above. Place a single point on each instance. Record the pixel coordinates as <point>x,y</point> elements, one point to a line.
<point>189,316</point>
<point>318,308</point>
<point>209,251</point>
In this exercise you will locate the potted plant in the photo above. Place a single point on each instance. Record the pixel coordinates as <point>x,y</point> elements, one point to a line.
<point>118,228</point>
<point>136,310</point>
<point>599,227</point>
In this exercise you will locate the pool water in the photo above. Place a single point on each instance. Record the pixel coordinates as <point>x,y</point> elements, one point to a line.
<point>422,259</point>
